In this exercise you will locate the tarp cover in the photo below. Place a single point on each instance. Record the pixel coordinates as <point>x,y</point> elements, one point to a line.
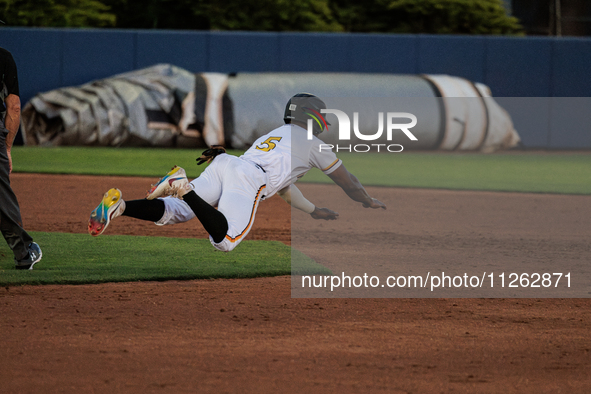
<point>167,106</point>
<point>158,106</point>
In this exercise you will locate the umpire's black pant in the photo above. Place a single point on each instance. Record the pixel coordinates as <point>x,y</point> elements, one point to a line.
<point>11,224</point>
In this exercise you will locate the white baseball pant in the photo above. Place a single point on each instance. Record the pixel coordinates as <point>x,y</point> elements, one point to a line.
<point>234,186</point>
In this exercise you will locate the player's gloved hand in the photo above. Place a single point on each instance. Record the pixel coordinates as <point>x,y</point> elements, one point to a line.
<point>375,204</point>
<point>210,154</point>
<point>324,213</point>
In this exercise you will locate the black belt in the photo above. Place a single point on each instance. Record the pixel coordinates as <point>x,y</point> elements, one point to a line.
<point>260,168</point>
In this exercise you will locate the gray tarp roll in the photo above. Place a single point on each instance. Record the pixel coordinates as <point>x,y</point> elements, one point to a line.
<point>167,106</point>
<point>453,113</point>
<point>259,99</point>
<point>140,108</point>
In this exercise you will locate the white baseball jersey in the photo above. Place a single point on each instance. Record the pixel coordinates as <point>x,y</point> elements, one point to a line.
<point>236,185</point>
<point>286,154</point>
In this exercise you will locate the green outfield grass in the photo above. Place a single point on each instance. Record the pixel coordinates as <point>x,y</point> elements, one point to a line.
<point>539,172</point>
<point>150,162</point>
<point>80,258</point>
<point>514,171</point>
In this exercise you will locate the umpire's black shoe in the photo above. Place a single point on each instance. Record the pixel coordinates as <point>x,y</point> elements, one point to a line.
<point>34,257</point>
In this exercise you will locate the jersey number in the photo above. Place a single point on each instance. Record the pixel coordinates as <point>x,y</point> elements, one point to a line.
<point>268,144</point>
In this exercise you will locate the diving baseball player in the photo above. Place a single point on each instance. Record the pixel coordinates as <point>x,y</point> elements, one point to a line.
<point>236,185</point>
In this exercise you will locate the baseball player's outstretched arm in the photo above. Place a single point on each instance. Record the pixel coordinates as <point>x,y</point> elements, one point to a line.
<point>354,189</point>
<point>294,197</point>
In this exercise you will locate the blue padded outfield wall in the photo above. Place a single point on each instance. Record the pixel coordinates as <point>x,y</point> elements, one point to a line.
<point>513,67</point>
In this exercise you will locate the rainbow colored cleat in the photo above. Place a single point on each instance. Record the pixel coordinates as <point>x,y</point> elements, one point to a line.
<point>111,206</point>
<point>175,183</point>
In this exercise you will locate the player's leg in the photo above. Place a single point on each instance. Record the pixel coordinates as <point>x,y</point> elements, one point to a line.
<point>203,197</point>
<point>112,205</point>
<point>197,199</point>
<point>162,211</point>
<point>239,207</point>
<point>18,240</point>
<point>243,187</point>
<point>233,185</point>
<point>213,221</point>
<point>10,217</point>
<point>150,210</point>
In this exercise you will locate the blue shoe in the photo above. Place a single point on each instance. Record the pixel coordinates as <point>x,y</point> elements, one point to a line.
<point>34,256</point>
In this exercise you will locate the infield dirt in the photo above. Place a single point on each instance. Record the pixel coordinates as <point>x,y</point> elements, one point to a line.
<point>251,336</point>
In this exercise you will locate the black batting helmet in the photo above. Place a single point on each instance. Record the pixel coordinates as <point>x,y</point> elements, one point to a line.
<point>304,106</point>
